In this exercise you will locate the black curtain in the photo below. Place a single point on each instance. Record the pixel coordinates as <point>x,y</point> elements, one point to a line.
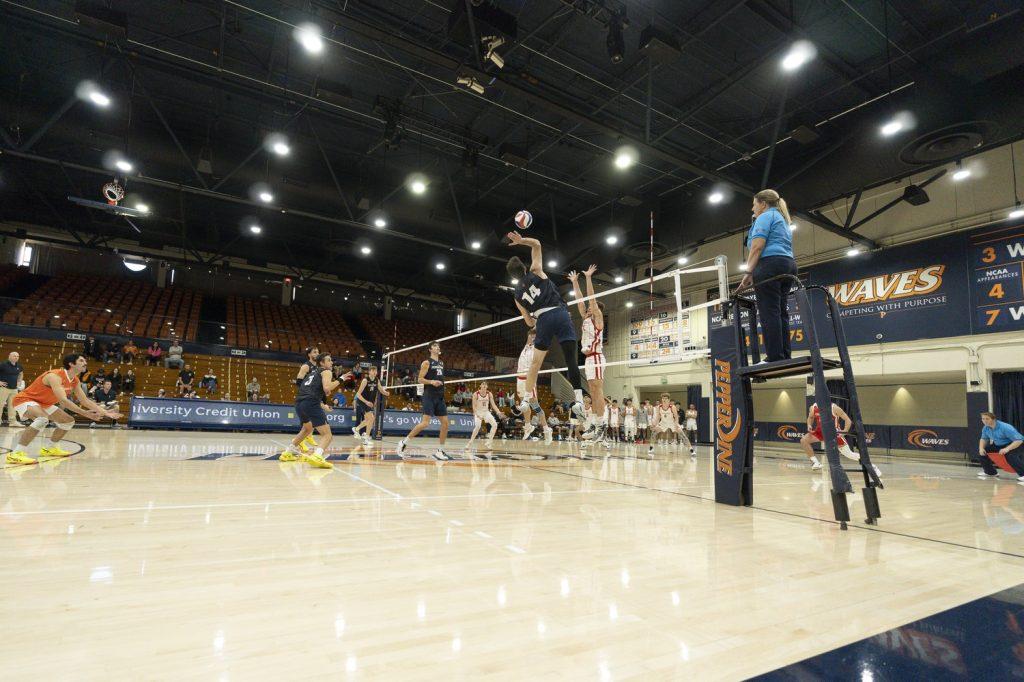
<point>693,395</point>
<point>1008,398</point>
<point>839,392</point>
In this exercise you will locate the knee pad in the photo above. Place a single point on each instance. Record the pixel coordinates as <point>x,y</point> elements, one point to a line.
<point>39,423</point>
<point>66,427</point>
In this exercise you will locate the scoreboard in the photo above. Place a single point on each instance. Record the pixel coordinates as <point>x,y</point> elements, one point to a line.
<point>996,260</point>
<point>653,334</point>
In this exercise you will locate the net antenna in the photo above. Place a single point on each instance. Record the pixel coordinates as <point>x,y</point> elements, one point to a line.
<point>717,265</point>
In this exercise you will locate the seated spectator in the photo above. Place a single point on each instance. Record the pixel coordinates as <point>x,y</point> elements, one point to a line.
<point>128,383</point>
<point>104,394</point>
<point>128,352</point>
<point>101,351</point>
<point>252,389</point>
<point>154,353</point>
<point>185,378</point>
<point>116,379</point>
<point>339,399</point>
<point>89,348</point>
<point>112,353</point>
<point>209,382</point>
<point>174,354</point>
<point>226,396</point>
<point>161,393</point>
<point>406,408</point>
<point>501,397</point>
<point>189,394</point>
<point>100,376</point>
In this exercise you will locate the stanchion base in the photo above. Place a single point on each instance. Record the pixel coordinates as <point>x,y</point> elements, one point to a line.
<point>840,508</point>
<point>871,505</point>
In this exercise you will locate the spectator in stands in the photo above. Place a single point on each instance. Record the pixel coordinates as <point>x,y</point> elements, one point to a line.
<point>89,347</point>
<point>174,354</point>
<point>209,382</point>
<point>252,389</point>
<point>12,379</point>
<point>128,352</point>
<point>115,379</point>
<point>501,397</point>
<point>128,384</point>
<point>154,353</point>
<point>185,378</point>
<point>99,377</point>
<point>112,353</point>
<point>162,393</point>
<point>104,394</point>
<point>339,399</point>
<point>226,396</point>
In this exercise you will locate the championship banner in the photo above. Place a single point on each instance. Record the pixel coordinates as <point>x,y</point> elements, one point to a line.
<point>654,335</point>
<point>224,415</point>
<point>898,294</point>
<point>996,259</point>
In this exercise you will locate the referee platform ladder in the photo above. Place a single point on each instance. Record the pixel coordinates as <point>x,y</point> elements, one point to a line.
<point>742,365</point>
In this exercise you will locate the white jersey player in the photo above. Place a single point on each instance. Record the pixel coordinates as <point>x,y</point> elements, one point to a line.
<point>522,368</point>
<point>483,403</point>
<point>592,345</point>
<point>629,414</point>
<point>614,414</point>
<point>666,423</point>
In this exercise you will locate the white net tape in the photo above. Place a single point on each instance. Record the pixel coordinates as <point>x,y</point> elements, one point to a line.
<point>720,267</point>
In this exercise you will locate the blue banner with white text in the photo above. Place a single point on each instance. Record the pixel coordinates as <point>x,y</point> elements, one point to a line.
<point>224,415</point>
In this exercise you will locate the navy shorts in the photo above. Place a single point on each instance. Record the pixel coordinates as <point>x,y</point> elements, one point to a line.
<point>311,411</point>
<point>554,324</point>
<point>361,411</point>
<point>433,404</point>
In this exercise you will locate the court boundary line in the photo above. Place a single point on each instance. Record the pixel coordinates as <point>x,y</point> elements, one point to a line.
<point>832,522</point>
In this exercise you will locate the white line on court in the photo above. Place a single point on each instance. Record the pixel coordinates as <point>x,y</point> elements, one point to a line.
<point>370,483</point>
<point>340,500</point>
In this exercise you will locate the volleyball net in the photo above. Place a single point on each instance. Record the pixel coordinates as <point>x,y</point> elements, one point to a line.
<point>663,292</point>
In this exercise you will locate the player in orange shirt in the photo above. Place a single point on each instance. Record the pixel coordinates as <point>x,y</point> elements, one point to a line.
<point>41,402</point>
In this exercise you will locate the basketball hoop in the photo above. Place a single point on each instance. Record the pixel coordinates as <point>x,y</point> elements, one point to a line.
<point>113,192</point>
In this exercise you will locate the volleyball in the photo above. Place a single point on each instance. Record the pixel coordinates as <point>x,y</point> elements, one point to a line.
<point>524,219</point>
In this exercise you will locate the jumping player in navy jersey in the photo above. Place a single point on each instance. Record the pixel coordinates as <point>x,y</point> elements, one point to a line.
<point>305,368</point>
<point>310,403</point>
<point>543,309</point>
<point>432,378</point>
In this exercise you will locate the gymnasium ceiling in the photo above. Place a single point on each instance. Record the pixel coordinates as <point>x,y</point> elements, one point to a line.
<point>197,85</point>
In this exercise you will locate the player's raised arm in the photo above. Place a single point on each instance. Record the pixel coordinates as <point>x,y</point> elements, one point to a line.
<point>527,317</point>
<point>592,303</point>
<point>574,277</point>
<point>536,254</point>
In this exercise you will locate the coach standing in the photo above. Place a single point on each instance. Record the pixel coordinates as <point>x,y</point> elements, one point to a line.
<point>11,378</point>
<point>999,437</point>
<point>770,245</point>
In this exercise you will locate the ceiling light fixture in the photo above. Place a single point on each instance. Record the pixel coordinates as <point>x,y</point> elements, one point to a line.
<point>134,265</point>
<point>619,279</point>
<point>716,198</point>
<point>614,42</point>
<point>439,266</point>
<point>1017,212</point>
<point>255,229</point>
<point>310,37</point>
<point>682,260</point>
<point>266,197</point>
<point>853,251</point>
<point>87,91</point>
<point>142,208</point>
<point>961,173</point>
<point>552,263</point>
<point>124,166</point>
<point>278,144</point>
<point>626,157</point>
<point>629,304</point>
<point>799,54</point>
<point>475,245</point>
<point>611,240</point>
<point>365,250</point>
<point>379,222</point>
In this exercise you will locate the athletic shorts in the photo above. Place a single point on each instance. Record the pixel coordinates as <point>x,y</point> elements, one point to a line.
<point>433,404</point>
<point>21,408</point>
<point>311,411</point>
<point>664,427</point>
<point>361,411</point>
<point>593,366</point>
<point>840,441</point>
<point>555,324</point>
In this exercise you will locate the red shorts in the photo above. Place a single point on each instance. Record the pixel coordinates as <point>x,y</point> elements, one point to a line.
<point>817,434</point>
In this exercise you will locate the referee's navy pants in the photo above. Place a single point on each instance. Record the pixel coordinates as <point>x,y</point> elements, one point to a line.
<point>771,304</point>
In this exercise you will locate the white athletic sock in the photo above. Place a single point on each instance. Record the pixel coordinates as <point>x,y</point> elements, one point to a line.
<point>845,451</point>
<point>814,460</point>
<point>319,452</point>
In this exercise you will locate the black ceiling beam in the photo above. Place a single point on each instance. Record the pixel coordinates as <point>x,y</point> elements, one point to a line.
<point>894,202</point>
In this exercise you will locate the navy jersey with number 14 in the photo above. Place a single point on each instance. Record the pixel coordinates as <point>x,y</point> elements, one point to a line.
<point>535,293</point>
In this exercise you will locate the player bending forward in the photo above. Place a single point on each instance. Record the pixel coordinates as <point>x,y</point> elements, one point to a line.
<point>629,421</point>
<point>41,402</point>
<point>522,371</point>
<point>311,406</point>
<point>814,435</point>
<point>593,347</point>
<point>483,403</point>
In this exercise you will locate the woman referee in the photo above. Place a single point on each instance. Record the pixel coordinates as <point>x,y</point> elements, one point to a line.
<point>771,254</point>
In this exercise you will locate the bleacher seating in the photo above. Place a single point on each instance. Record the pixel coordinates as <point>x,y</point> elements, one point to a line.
<point>275,377</point>
<point>9,274</point>
<point>254,323</point>
<point>110,305</point>
<point>456,353</point>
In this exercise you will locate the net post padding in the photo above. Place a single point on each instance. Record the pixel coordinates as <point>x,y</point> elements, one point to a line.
<point>719,267</point>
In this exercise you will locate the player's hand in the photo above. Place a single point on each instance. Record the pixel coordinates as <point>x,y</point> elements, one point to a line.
<point>112,414</point>
<point>573,276</point>
<point>747,281</point>
<point>1003,452</point>
<point>589,272</point>
<point>514,238</point>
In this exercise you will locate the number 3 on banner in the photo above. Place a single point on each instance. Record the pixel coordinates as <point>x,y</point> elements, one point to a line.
<point>988,254</point>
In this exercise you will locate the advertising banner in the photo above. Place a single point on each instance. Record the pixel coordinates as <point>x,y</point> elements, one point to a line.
<point>996,260</point>
<point>173,413</point>
<point>880,436</point>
